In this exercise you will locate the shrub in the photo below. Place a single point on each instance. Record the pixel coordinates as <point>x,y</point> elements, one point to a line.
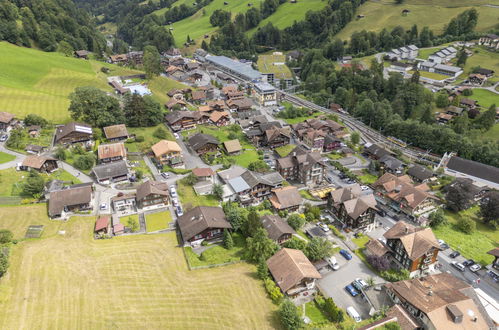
<point>161,133</point>
<point>263,270</point>
<point>5,236</point>
<point>336,232</point>
<point>437,218</point>
<point>273,291</point>
<point>228,241</point>
<point>33,119</point>
<point>395,275</point>
<point>84,162</point>
<point>290,318</point>
<point>139,138</point>
<point>333,312</point>
<point>466,225</point>
<point>60,153</point>
<point>4,263</point>
<point>379,263</point>
<point>296,221</point>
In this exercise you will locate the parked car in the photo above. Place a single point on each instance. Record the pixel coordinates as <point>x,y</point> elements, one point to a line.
<point>329,179</point>
<point>381,213</point>
<point>475,267</point>
<point>346,254</point>
<point>179,211</point>
<point>353,314</point>
<point>103,206</point>
<point>364,188</point>
<point>165,175</point>
<point>176,135</point>
<point>175,202</point>
<point>3,138</point>
<point>351,290</point>
<point>359,284</point>
<point>333,263</point>
<point>468,263</point>
<point>323,226</point>
<point>458,265</point>
<point>454,254</point>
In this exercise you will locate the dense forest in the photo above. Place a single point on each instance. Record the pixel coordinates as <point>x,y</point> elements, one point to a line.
<point>48,23</point>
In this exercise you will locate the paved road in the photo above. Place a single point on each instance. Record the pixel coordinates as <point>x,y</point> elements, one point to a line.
<point>13,163</point>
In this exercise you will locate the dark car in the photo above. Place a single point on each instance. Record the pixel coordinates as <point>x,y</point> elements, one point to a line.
<point>444,246</point>
<point>454,254</point>
<point>345,254</point>
<point>350,289</point>
<point>381,213</point>
<point>468,263</point>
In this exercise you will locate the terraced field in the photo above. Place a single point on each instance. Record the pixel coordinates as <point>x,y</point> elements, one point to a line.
<point>72,281</point>
<point>434,14</point>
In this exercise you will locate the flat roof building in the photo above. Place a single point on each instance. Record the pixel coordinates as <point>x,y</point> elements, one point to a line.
<point>239,69</point>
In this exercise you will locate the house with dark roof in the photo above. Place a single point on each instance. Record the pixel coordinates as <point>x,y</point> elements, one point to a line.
<point>412,248</point>
<point>390,164</point>
<point>203,143</point>
<point>39,164</point>
<point>495,253</point>
<point>116,132</point>
<point>34,149</point>
<point>420,173</point>
<point>375,152</point>
<point>184,120</point>
<point>355,210</point>
<point>111,172</point>
<point>77,197</point>
<point>286,198</point>
<point>468,103</point>
<point>292,271</point>
<point>6,121</point>
<point>402,195</point>
<point>481,174</point>
<point>73,133</point>
<point>152,194</point>
<point>202,223</point>
<point>486,72</point>
<point>440,301</point>
<point>303,166</point>
<point>275,137</point>
<point>277,228</point>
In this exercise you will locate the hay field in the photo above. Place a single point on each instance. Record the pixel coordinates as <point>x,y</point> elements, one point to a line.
<point>74,282</point>
<point>434,14</point>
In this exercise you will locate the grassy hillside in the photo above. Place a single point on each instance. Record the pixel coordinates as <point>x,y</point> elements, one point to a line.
<point>434,14</point>
<point>37,82</point>
<point>198,24</point>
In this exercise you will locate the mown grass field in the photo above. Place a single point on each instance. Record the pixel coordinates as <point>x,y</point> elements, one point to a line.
<point>475,245</point>
<point>149,138</point>
<point>158,221</point>
<point>190,199</point>
<point>218,254</point>
<point>434,14</point>
<point>72,281</point>
<point>5,158</point>
<point>485,97</point>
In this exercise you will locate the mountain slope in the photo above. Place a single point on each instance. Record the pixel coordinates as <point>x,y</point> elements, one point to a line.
<point>434,14</point>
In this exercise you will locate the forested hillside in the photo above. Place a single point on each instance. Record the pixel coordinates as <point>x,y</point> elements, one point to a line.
<point>48,24</point>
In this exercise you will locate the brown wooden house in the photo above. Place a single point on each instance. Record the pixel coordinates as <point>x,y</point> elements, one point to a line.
<point>113,152</point>
<point>152,194</point>
<point>202,223</point>
<point>73,133</point>
<point>39,163</point>
<point>203,143</point>
<point>183,120</point>
<point>278,230</point>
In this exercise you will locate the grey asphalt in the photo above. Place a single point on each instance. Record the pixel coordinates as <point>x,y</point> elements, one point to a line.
<point>13,163</point>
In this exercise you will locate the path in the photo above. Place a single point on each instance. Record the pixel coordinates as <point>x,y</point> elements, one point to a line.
<point>13,163</point>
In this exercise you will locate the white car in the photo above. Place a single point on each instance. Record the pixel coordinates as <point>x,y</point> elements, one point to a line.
<point>475,267</point>
<point>362,282</point>
<point>176,136</point>
<point>323,226</point>
<point>173,192</point>
<point>364,188</point>
<point>333,263</point>
<point>103,207</point>
<point>175,202</point>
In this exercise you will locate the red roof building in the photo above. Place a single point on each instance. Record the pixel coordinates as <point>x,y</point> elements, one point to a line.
<point>102,225</point>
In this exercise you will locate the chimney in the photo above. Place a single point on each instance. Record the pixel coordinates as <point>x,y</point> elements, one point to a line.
<point>407,230</point>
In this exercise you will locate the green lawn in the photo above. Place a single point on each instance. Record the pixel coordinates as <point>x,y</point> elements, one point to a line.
<point>63,175</point>
<point>44,139</point>
<point>335,156</point>
<point>159,86</point>
<point>492,134</point>
<point>314,313</point>
<point>475,245</point>
<point>149,138</point>
<point>158,221</point>
<point>189,199</point>
<point>306,194</point>
<point>484,58</point>
<point>265,64</point>
<point>485,98</point>
<point>435,15</point>
<point>135,218</point>
<point>297,120</point>
<point>5,158</point>
<point>218,254</point>
<point>361,241</point>
<point>368,178</point>
<point>285,150</point>
<point>431,75</point>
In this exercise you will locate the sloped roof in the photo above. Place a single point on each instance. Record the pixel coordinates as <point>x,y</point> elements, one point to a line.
<point>36,162</point>
<point>376,248</point>
<point>111,170</point>
<point>276,226</point>
<point>376,150</point>
<point>344,194</point>
<point>357,206</point>
<point>69,128</point>
<point>289,267</point>
<point>200,140</point>
<point>203,172</point>
<point>175,116</point>
<point>101,223</point>
<point>198,95</point>
<point>6,117</point>
<point>232,146</point>
<point>217,115</point>
<point>476,169</point>
<point>416,240</point>
<point>420,172</point>
<point>402,189</point>
<point>152,187</point>
<point>391,162</point>
<point>165,147</point>
<point>111,150</point>
<point>115,131</point>
<point>200,218</point>
<point>74,195</point>
<point>285,197</point>
<point>232,172</point>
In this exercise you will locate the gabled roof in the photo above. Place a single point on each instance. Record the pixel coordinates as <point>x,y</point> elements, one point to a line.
<point>420,172</point>
<point>203,172</point>
<point>217,115</point>
<point>391,162</point>
<point>69,128</point>
<point>494,252</point>
<point>6,117</point>
<point>101,223</point>
<point>402,189</point>
<point>115,131</point>
<point>175,116</point>
<point>285,197</point>
<point>152,187</point>
<point>377,151</point>
<point>375,247</point>
<point>476,169</point>
<point>201,218</point>
<point>254,178</point>
<point>36,162</point>
<point>111,150</point>
<point>289,267</point>
<point>232,146</point>
<point>347,193</point>
<point>238,184</point>
<point>357,206</point>
<point>165,147</point>
<point>73,195</point>
<point>417,241</point>
<point>231,173</point>
<point>111,170</point>
<point>200,140</point>
<point>198,95</point>
<point>276,226</point>
<point>240,103</point>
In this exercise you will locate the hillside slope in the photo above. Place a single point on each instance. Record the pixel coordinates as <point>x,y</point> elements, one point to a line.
<point>33,81</point>
<point>434,14</point>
